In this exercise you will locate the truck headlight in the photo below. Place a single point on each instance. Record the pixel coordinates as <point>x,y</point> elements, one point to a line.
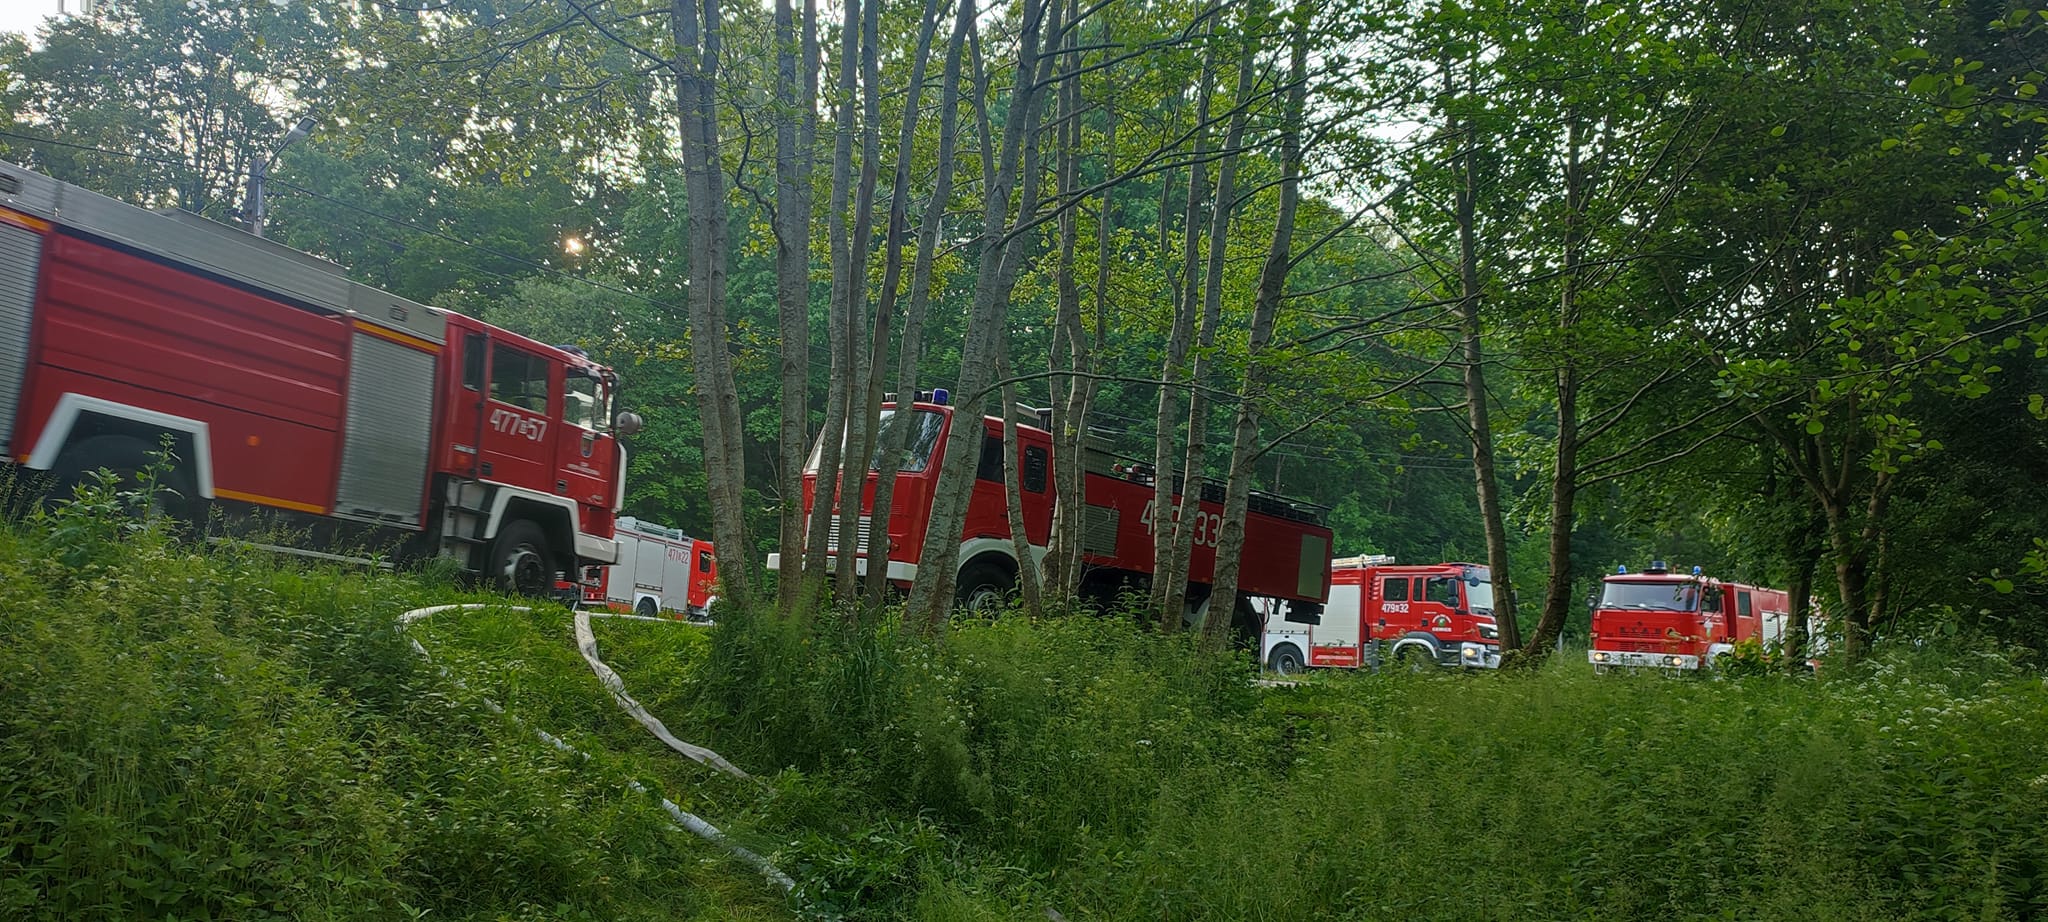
<point>1471,652</point>
<point>1672,661</point>
<point>1599,657</point>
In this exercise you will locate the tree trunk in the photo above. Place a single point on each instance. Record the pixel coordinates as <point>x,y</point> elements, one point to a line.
<point>1013,494</point>
<point>1070,455</point>
<point>1803,550</point>
<point>696,33</point>
<point>895,437</point>
<point>792,222</point>
<point>1069,401</point>
<point>932,593</point>
<point>1564,474</point>
<point>1265,308</point>
<point>838,310</point>
<point>1212,317</point>
<point>865,366</point>
<point>1169,573</point>
<point>1557,594</point>
<point>1493,519</point>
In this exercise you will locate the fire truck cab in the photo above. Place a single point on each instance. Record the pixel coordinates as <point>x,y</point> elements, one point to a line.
<point>1286,545</point>
<point>1658,619</point>
<point>1416,616</point>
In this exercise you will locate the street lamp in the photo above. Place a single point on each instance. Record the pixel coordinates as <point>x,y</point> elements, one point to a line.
<point>253,206</point>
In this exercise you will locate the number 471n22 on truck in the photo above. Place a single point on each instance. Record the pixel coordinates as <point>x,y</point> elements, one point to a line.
<point>292,395</point>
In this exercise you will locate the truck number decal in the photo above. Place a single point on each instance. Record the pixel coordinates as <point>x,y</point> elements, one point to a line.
<point>1400,608</point>
<point>515,424</point>
<point>1208,525</point>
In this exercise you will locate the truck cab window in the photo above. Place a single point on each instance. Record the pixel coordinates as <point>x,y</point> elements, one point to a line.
<point>703,561</point>
<point>1395,590</point>
<point>519,378</point>
<point>583,404</point>
<point>1033,474</point>
<point>1442,590</point>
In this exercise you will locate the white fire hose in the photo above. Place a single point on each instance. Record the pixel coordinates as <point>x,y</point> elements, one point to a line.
<point>587,644</point>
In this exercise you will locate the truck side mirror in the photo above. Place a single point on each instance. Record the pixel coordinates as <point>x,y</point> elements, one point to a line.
<point>628,423</point>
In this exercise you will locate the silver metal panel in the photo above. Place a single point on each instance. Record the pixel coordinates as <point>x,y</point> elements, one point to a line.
<point>19,250</point>
<point>1098,530</point>
<point>26,190</point>
<point>389,310</point>
<point>390,415</point>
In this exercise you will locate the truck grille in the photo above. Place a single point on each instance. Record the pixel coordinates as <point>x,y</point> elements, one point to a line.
<point>860,535</point>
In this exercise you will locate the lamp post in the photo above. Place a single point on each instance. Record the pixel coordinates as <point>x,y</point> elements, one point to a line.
<point>253,206</point>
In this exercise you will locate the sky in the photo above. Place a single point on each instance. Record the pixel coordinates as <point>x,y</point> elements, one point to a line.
<point>24,15</point>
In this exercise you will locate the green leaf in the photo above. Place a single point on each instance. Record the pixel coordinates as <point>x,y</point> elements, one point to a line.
<point>1888,144</point>
<point>1813,427</point>
<point>1778,131</point>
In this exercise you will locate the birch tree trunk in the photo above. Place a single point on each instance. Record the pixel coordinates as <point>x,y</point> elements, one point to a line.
<point>895,437</point>
<point>1169,578</point>
<point>832,441</point>
<point>1212,316</point>
<point>1013,493</point>
<point>932,593</point>
<point>795,130</point>
<point>1265,308</point>
<point>860,412</point>
<point>696,32</point>
<point>1069,403</point>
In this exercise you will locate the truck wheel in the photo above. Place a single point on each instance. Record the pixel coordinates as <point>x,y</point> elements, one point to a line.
<point>984,586</point>
<point>127,458</point>
<point>647,608</point>
<point>1285,660</point>
<point>1414,658</point>
<point>520,561</point>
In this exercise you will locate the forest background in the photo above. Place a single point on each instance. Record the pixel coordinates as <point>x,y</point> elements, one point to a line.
<point>1756,287</point>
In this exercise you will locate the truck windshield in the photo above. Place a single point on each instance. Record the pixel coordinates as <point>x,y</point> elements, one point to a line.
<point>1479,596</point>
<point>924,440</point>
<point>1675,595</point>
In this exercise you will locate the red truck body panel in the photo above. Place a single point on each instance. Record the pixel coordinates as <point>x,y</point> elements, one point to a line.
<point>1119,513</point>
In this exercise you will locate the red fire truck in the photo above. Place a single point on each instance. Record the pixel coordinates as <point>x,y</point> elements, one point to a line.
<point>1664,620</point>
<point>291,394</point>
<point>660,569</point>
<point>1417,616</point>
<point>1286,546</point>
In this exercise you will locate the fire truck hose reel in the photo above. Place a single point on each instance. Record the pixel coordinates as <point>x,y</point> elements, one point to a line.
<point>696,825</point>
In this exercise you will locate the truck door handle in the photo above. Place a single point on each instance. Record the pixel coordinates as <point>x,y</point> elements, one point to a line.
<point>562,487</point>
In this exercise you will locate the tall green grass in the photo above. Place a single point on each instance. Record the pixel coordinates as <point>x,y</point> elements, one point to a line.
<point>222,734</point>
<point>1083,765</point>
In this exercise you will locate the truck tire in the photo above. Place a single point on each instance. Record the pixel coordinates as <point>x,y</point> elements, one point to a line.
<point>1285,660</point>
<point>647,608</point>
<point>127,458</point>
<point>521,563</point>
<point>984,586</point>
<point>1414,658</point>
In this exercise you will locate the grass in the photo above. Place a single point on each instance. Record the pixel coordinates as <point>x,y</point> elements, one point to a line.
<point>222,734</point>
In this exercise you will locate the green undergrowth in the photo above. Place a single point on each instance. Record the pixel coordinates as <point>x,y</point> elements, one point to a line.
<point>220,733</point>
<point>1081,765</point>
